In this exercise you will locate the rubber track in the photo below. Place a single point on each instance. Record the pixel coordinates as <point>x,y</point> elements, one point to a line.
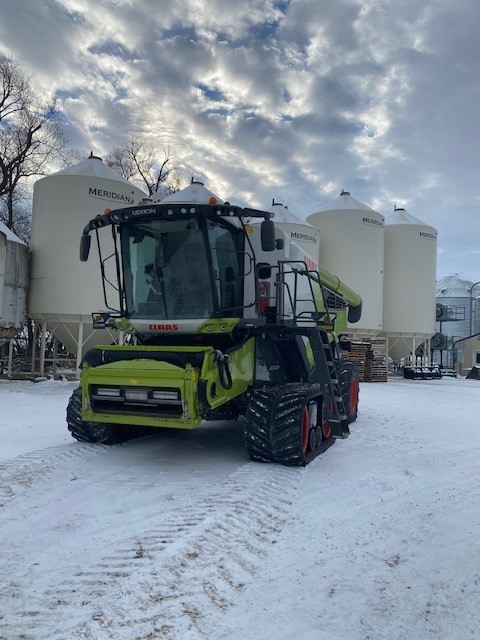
<point>87,431</point>
<point>272,423</point>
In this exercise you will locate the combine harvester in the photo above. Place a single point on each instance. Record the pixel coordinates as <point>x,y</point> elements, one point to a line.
<point>228,318</point>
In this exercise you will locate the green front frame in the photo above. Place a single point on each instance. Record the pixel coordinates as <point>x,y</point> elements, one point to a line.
<point>160,374</point>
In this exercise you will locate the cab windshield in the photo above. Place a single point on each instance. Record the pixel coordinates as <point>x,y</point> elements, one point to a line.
<point>182,269</point>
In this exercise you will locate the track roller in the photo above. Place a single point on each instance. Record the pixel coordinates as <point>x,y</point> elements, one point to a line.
<point>281,424</point>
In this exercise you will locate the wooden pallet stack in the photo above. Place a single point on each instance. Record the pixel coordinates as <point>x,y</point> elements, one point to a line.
<point>370,356</point>
<point>376,368</point>
<point>358,354</point>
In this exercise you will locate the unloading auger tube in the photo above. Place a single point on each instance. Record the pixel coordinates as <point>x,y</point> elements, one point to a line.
<point>212,337</point>
<point>352,298</point>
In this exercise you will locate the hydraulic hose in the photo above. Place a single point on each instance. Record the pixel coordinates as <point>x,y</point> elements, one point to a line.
<point>223,369</point>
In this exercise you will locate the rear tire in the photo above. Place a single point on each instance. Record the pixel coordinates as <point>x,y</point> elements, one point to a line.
<point>98,432</point>
<point>352,408</point>
<point>352,401</point>
<point>326,426</point>
<point>277,423</point>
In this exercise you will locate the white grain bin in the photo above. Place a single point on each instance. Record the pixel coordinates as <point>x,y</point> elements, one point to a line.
<point>297,230</point>
<point>352,246</point>
<point>409,283</point>
<point>14,256</point>
<point>64,291</point>
<point>195,193</point>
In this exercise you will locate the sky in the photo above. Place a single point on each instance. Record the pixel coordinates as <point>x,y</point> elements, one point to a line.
<point>287,99</point>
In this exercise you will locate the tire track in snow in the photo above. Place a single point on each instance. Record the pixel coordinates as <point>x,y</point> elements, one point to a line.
<point>171,581</point>
<point>20,473</point>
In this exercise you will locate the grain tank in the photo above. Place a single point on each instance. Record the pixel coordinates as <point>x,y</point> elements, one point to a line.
<point>64,292</point>
<point>352,246</point>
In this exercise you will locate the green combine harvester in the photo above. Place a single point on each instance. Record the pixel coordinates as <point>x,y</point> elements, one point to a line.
<point>225,319</point>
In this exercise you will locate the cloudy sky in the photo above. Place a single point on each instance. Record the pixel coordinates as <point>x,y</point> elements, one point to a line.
<point>287,99</point>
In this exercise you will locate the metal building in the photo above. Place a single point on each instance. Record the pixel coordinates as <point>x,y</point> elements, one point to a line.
<point>14,259</point>
<point>460,314</point>
<point>458,296</point>
<point>14,256</point>
<point>3,252</point>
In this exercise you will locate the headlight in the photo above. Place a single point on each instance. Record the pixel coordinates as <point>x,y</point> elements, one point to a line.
<point>109,392</point>
<point>166,396</point>
<point>136,395</point>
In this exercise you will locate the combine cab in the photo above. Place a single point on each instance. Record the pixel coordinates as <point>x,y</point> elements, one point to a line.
<point>227,319</point>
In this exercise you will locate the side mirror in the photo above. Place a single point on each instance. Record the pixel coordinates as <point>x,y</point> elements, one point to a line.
<point>84,247</point>
<point>267,232</point>
<point>264,271</point>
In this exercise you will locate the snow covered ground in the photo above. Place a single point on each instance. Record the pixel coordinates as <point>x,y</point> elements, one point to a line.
<point>180,536</point>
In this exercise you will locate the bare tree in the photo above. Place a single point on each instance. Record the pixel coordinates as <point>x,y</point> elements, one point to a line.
<point>20,202</point>
<point>30,134</point>
<point>138,160</point>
